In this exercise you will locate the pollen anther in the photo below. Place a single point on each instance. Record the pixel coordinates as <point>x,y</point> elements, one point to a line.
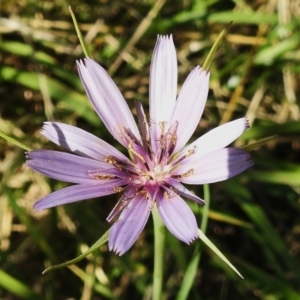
<point>145,194</point>
<point>118,189</point>
<point>110,160</point>
<point>103,177</point>
<point>161,139</point>
<point>172,138</point>
<point>130,149</point>
<point>187,174</point>
<point>167,195</point>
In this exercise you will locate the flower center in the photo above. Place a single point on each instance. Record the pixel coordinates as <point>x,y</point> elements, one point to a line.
<point>159,172</point>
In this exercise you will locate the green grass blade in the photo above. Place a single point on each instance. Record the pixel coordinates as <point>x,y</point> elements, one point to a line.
<point>13,141</point>
<point>16,287</point>
<point>65,96</point>
<point>80,36</point>
<point>214,48</point>
<point>290,177</point>
<point>208,243</point>
<point>191,270</point>
<point>27,221</point>
<point>103,239</point>
<point>268,283</point>
<point>243,17</point>
<point>268,55</point>
<point>259,143</point>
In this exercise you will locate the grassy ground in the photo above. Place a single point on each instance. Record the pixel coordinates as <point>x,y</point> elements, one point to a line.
<point>253,218</point>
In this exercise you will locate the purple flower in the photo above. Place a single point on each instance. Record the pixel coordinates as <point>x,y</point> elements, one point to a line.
<point>159,160</point>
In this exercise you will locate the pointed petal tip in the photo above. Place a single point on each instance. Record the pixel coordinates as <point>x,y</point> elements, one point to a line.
<point>80,63</point>
<point>124,232</point>
<point>115,249</point>
<point>119,252</point>
<point>193,239</point>
<point>36,207</point>
<point>165,36</point>
<point>247,124</point>
<point>177,216</point>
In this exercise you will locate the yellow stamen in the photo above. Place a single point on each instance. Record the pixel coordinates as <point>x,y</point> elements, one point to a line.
<point>130,149</point>
<point>187,174</point>
<point>118,189</point>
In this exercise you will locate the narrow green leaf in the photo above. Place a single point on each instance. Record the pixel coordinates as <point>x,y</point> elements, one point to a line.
<point>282,261</point>
<point>268,55</point>
<point>208,243</point>
<point>290,177</point>
<point>16,287</point>
<point>205,208</point>
<point>259,143</point>
<point>268,128</point>
<point>26,50</point>
<point>189,275</point>
<point>31,228</point>
<point>65,96</point>
<point>226,218</point>
<point>267,283</point>
<point>214,48</point>
<point>80,36</point>
<point>103,239</point>
<point>191,270</point>
<point>244,17</point>
<point>13,141</point>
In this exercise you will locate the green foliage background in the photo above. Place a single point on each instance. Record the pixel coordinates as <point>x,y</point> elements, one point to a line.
<point>253,218</point>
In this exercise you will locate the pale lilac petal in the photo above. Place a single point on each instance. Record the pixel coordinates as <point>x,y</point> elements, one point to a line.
<point>163,84</point>
<point>217,138</point>
<point>130,224</point>
<point>144,125</point>
<point>79,192</point>
<point>80,141</point>
<point>190,105</point>
<point>107,99</point>
<point>128,194</point>
<point>181,190</point>
<point>177,216</point>
<point>216,166</point>
<point>63,166</point>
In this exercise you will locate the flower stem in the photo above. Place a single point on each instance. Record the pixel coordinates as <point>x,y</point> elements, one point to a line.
<point>159,247</point>
<point>191,271</point>
<point>205,208</point>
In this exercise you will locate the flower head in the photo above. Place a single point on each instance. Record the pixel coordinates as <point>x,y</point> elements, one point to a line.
<point>159,160</point>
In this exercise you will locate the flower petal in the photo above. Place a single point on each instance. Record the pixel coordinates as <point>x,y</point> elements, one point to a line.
<point>190,105</point>
<point>130,224</point>
<point>178,188</point>
<point>163,84</point>
<point>177,216</point>
<point>80,141</point>
<point>63,166</point>
<point>216,166</point>
<point>79,192</point>
<point>144,125</point>
<point>107,100</point>
<point>217,138</point>
<point>128,194</point>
